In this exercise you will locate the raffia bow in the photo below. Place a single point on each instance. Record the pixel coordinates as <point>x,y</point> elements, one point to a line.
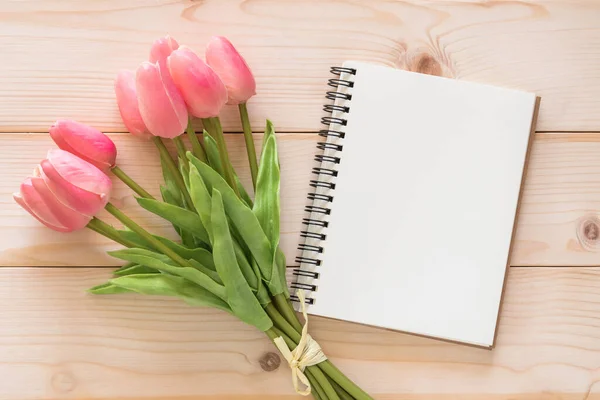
<point>307,353</point>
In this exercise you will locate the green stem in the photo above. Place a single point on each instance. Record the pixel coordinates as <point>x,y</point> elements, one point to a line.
<point>283,306</point>
<point>250,149</point>
<point>108,231</point>
<point>208,126</point>
<point>119,173</point>
<point>166,157</point>
<point>337,376</point>
<point>224,155</point>
<point>316,389</point>
<point>340,391</point>
<point>181,150</point>
<point>328,392</point>
<point>197,149</point>
<point>281,323</point>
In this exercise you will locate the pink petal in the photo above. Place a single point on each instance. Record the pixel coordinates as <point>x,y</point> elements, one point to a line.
<point>161,108</point>
<point>225,60</point>
<point>35,202</point>
<point>66,216</point>
<point>75,182</point>
<point>162,48</point>
<point>85,142</point>
<point>128,104</point>
<point>202,89</point>
<point>160,51</point>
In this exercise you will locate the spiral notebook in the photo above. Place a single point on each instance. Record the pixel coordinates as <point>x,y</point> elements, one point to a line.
<point>413,203</point>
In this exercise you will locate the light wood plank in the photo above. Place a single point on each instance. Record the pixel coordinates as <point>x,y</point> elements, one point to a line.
<point>60,57</point>
<point>56,341</point>
<point>562,191</point>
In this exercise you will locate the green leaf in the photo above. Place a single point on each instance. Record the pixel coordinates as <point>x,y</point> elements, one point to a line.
<point>243,194</point>
<point>199,254</point>
<point>186,237</point>
<point>124,267</point>
<point>184,173</point>
<point>212,153</point>
<point>135,269</point>
<point>185,219</point>
<point>281,265</point>
<point>169,285</point>
<point>163,263</point>
<point>266,202</point>
<point>201,198</point>
<point>267,207</point>
<point>239,295</point>
<point>211,273</point>
<point>173,195</point>
<point>269,131</point>
<point>245,266</point>
<point>214,160</point>
<point>242,217</point>
<point>108,288</point>
<point>262,294</point>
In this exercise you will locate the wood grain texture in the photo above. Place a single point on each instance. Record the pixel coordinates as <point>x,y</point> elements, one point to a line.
<point>69,344</point>
<point>59,57</point>
<point>560,199</point>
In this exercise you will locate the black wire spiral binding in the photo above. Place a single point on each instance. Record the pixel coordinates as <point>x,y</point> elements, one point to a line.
<point>319,196</point>
<point>315,222</point>
<point>322,158</point>
<point>324,171</point>
<point>334,123</point>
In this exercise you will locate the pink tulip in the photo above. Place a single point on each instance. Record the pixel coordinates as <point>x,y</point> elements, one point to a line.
<point>225,60</point>
<point>85,142</point>
<point>161,49</point>
<point>202,89</point>
<point>161,106</point>
<point>37,199</point>
<point>128,104</point>
<point>75,183</point>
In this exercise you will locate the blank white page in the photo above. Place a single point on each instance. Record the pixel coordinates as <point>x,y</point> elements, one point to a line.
<point>424,205</point>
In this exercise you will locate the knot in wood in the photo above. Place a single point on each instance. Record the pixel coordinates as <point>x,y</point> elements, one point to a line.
<point>63,382</point>
<point>426,64</point>
<point>588,232</point>
<point>270,361</point>
<point>425,61</point>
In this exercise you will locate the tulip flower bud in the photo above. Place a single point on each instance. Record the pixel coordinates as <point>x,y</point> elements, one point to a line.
<point>128,104</point>
<point>161,106</point>
<point>202,89</point>
<point>85,142</point>
<point>161,49</point>
<point>37,199</point>
<point>76,183</point>
<point>231,67</point>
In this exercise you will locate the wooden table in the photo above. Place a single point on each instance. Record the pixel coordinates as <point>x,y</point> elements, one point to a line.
<point>59,58</point>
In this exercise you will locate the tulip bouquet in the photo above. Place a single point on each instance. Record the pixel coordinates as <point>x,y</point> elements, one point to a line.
<point>228,256</point>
